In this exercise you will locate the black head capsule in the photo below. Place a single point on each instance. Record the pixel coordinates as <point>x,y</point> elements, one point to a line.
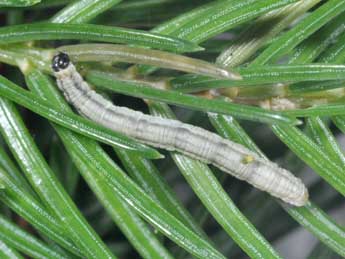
<point>60,61</point>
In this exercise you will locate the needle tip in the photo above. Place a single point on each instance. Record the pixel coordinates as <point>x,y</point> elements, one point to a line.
<point>232,75</point>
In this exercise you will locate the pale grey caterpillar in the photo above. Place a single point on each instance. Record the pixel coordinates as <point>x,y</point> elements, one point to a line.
<point>172,135</point>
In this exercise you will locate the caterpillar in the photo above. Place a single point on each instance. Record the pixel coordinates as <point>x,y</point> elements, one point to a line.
<point>174,135</point>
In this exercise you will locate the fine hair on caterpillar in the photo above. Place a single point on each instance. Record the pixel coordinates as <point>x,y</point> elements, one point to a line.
<point>171,135</point>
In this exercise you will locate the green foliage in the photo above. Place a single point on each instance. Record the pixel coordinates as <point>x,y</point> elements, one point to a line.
<point>18,3</point>
<point>288,106</point>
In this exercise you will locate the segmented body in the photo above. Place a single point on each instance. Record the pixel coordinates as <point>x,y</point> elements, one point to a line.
<point>187,139</point>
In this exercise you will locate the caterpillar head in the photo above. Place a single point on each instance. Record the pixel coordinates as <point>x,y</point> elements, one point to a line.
<point>60,62</point>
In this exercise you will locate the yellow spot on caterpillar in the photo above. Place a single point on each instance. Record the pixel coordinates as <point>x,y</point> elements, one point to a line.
<point>247,159</point>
